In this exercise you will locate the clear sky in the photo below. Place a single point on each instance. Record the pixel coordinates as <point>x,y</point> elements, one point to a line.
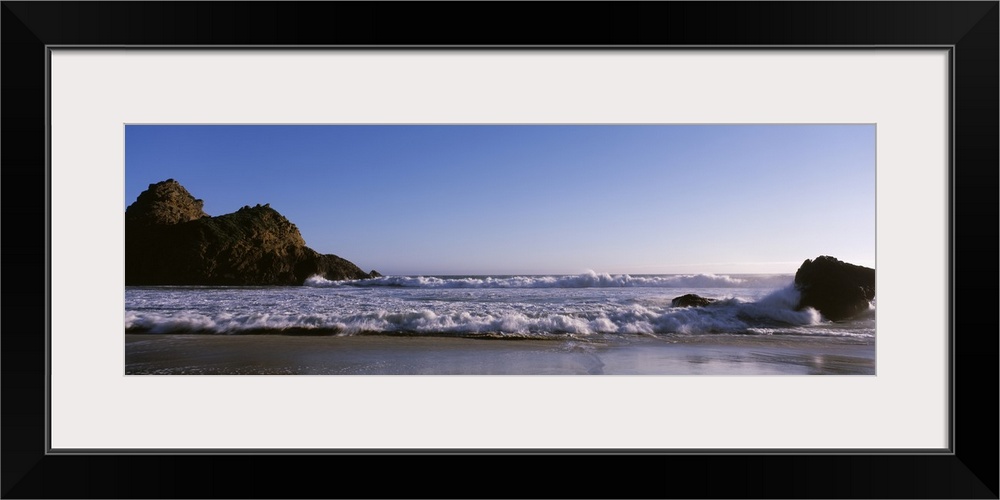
<point>537,199</point>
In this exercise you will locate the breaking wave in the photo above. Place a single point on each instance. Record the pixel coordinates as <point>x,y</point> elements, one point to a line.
<point>584,280</point>
<point>511,316</point>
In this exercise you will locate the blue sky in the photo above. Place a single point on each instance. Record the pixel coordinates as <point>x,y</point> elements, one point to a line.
<point>537,199</point>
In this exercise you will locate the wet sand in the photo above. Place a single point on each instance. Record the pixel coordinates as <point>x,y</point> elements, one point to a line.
<point>163,354</point>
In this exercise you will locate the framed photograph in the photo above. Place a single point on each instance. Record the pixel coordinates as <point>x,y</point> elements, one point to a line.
<point>686,225</point>
<point>674,188</point>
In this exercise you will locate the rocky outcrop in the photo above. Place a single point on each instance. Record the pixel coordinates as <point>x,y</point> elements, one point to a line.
<point>164,203</point>
<point>691,300</point>
<point>836,289</point>
<point>169,240</point>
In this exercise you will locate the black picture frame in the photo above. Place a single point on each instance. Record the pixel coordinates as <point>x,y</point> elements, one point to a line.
<point>970,29</point>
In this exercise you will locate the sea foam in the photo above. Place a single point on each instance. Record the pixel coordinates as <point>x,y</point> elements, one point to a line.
<point>500,311</point>
<point>594,306</point>
<point>585,280</point>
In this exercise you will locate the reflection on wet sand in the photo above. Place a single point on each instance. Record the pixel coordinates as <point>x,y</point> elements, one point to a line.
<point>381,355</point>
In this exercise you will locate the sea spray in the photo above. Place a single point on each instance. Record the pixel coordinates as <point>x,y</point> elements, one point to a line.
<point>585,280</point>
<point>585,307</point>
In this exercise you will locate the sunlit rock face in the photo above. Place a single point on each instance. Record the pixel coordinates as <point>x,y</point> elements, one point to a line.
<point>170,240</point>
<point>164,203</point>
<point>836,289</point>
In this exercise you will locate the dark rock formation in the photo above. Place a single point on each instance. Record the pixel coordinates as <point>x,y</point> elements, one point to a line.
<point>836,289</point>
<point>169,240</point>
<point>163,203</point>
<point>691,300</point>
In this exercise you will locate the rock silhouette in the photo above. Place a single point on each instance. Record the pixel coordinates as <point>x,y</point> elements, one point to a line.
<point>691,300</point>
<point>836,289</point>
<point>170,240</point>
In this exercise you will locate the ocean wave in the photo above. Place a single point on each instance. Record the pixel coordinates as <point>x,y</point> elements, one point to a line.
<point>773,314</point>
<point>585,280</point>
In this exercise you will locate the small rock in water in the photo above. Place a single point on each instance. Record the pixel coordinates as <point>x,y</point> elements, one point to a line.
<point>691,300</point>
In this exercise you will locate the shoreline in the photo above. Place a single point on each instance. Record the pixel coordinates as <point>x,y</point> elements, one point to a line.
<point>200,354</point>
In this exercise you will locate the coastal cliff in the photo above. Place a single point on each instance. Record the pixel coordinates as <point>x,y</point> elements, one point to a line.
<point>170,240</point>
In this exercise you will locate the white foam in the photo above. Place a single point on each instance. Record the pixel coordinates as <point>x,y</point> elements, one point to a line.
<point>589,279</point>
<point>478,307</point>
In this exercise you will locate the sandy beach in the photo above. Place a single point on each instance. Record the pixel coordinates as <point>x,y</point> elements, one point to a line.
<point>170,354</point>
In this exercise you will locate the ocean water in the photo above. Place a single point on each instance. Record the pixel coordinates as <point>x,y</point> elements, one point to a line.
<point>589,307</point>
